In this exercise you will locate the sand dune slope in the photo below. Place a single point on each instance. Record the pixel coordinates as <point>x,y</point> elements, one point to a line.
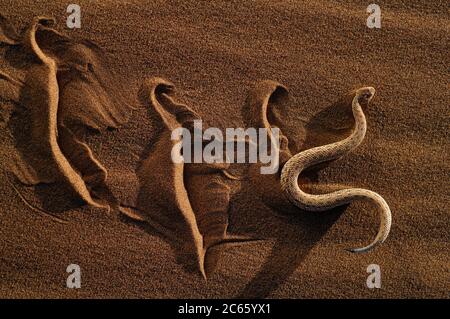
<point>79,146</point>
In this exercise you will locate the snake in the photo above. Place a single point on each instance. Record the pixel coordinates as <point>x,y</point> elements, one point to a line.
<point>313,156</point>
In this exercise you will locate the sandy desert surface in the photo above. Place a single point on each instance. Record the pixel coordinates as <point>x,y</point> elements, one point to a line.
<point>220,57</point>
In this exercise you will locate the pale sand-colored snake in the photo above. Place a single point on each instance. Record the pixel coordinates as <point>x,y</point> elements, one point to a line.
<point>316,155</point>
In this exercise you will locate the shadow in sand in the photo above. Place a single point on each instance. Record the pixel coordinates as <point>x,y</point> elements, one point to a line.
<point>33,163</point>
<point>161,181</point>
<point>295,231</point>
<point>50,154</point>
<point>330,125</point>
<point>54,196</point>
<point>285,257</point>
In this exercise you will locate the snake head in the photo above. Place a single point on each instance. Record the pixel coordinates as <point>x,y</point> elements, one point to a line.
<point>365,94</point>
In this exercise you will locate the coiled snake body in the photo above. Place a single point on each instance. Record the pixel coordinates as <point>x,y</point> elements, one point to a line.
<point>316,155</point>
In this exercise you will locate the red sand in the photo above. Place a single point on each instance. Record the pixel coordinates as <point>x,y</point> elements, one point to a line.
<point>214,53</point>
